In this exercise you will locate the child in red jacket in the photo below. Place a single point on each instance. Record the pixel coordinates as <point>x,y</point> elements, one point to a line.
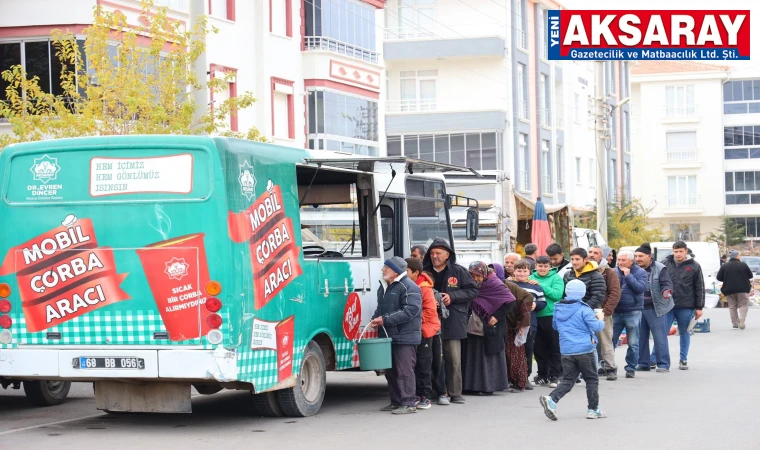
<point>423,369</point>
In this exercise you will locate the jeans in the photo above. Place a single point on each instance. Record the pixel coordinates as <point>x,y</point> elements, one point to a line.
<point>452,356</point>
<point>439,373</point>
<point>401,381</point>
<point>546,348</point>
<point>530,345</point>
<point>572,366</point>
<point>659,327</point>
<point>631,321</point>
<point>423,369</point>
<point>682,316</point>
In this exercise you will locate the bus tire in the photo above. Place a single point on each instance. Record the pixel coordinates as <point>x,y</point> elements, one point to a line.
<point>266,405</point>
<point>46,393</point>
<point>305,398</point>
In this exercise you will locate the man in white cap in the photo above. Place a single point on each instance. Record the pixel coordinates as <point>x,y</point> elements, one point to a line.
<point>737,285</point>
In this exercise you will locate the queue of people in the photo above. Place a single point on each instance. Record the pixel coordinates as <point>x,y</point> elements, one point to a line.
<point>474,331</point>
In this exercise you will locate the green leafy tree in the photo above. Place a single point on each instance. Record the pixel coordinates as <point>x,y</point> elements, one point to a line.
<point>627,224</point>
<point>728,234</point>
<point>144,89</point>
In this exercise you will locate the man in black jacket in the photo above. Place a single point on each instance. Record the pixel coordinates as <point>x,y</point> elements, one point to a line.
<point>587,271</point>
<point>399,312</point>
<point>688,295</point>
<point>737,284</point>
<point>458,289</point>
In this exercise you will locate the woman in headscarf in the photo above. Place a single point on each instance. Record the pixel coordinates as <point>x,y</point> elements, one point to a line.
<point>518,319</point>
<point>485,368</point>
<point>498,269</point>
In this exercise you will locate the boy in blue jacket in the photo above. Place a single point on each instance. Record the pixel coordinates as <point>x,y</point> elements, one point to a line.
<point>577,325</point>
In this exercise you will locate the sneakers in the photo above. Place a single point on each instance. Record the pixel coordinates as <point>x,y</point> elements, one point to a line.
<point>662,370</point>
<point>405,410</point>
<point>390,407</point>
<point>630,374</point>
<point>457,399</point>
<point>652,365</point>
<point>553,382</point>
<point>424,403</point>
<point>736,327</point>
<point>528,386</point>
<point>645,368</point>
<point>601,371</point>
<point>683,365</point>
<point>595,414</point>
<point>741,324</point>
<point>443,401</point>
<point>550,408</point>
<point>540,381</point>
<point>611,375</point>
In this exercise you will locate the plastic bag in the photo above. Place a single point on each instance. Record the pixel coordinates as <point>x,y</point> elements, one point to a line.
<point>522,336</point>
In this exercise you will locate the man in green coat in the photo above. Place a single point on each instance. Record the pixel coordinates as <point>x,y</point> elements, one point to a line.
<point>547,353</point>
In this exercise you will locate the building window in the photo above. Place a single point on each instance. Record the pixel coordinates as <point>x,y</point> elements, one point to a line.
<point>751,225</point>
<point>741,142</point>
<point>219,96</point>
<point>578,171</point>
<point>223,9</point>
<point>560,169</point>
<point>591,112</point>
<point>609,75</point>
<point>684,231</point>
<point>681,146</point>
<point>626,132</point>
<point>544,100</point>
<point>479,150</point>
<point>625,69</point>
<point>546,167</point>
<point>416,19</point>
<point>521,19</point>
<point>342,26</point>
<point>744,188</point>
<point>418,90</point>
<point>741,97</point>
<point>523,162</point>
<point>614,130</point>
<point>38,57</point>
<point>627,178</point>
<point>577,106</point>
<point>542,24</point>
<point>592,171</point>
<point>281,17</point>
<point>522,90</point>
<point>342,122</point>
<point>612,176</point>
<point>679,101</point>
<point>682,191</point>
<point>283,109</point>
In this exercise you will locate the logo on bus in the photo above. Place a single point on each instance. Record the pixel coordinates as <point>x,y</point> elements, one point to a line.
<point>177,268</point>
<point>247,180</point>
<point>45,169</point>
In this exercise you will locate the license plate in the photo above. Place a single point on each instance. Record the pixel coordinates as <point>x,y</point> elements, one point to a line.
<point>86,362</point>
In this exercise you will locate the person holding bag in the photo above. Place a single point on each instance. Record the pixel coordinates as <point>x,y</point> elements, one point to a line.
<point>518,327</point>
<point>485,368</point>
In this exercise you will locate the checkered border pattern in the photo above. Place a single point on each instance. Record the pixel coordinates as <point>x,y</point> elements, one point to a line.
<point>122,327</point>
<point>260,366</point>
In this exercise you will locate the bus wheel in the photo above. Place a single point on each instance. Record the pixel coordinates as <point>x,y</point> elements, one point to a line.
<point>46,393</point>
<point>306,397</point>
<point>265,404</point>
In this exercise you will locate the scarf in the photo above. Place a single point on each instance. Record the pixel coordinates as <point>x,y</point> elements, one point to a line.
<point>493,294</point>
<point>499,271</point>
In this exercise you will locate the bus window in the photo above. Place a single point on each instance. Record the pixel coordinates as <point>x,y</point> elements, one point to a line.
<point>386,224</point>
<point>428,215</point>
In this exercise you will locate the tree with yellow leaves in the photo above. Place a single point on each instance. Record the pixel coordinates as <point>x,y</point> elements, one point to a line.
<point>627,224</point>
<point>146,87</point>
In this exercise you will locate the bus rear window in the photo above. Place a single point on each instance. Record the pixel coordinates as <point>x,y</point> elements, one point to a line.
<point>144,175</point>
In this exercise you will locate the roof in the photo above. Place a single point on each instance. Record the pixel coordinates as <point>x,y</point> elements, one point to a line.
<point>663,67</point>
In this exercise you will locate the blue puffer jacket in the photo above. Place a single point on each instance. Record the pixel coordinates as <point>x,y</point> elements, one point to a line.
<point>400,304</point>
<point>632,289</point>
<point>577,324</point>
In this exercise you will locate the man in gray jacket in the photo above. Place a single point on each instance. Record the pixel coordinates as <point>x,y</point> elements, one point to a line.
<point>658,301</point>
<point>399,313</point>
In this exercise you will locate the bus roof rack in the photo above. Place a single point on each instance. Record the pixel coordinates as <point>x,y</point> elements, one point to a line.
<point>367,164</point>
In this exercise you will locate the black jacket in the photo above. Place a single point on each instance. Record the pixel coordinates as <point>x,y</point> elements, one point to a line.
<point>460,287</point>
<point>688,284</point>
<point>596,287</point>
<point>495,337</point>
<point>400,304</point>
<point>736,277</point>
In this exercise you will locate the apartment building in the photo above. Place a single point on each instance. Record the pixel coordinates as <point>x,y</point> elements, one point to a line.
<point>314,65</point>
<point>683,135</point>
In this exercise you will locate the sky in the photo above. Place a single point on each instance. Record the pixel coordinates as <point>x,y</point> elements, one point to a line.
<point>752,5</point>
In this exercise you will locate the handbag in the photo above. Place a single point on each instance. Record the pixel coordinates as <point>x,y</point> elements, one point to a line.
<point>475,325</point>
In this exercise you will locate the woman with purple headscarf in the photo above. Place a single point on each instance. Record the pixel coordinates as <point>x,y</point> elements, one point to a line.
<point>485,368</point>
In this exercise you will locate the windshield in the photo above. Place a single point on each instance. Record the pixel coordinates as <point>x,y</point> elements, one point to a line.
<point>428,216</point>
<point>751,260</point>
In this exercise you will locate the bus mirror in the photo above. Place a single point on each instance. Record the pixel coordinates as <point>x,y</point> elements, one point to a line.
<point>472,224</point>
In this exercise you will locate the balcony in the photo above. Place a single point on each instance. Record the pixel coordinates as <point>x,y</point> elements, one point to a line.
<point>522,40</point>
<point>524,181</point>
<point>523,112</point>
<point>560,186</point>
<point>336,46</point>
<point>546,187</point>
<point>682,204</point>
<point>546,117</point>
<point>559,123</point>
<point>413,105</point>
<point>446,41</point>
<point>681,114</point>
<point>682,159</point>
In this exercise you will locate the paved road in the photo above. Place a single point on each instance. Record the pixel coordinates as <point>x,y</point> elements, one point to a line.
<point>710,406</point>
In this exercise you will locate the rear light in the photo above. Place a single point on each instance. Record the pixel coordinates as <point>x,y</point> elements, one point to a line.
<point>213,304</point>
<point>213,321</point>
<point>213,288</point>
<point>6,322</point>
<point>6,337</point>
<point>214,337</point>
<point>5,290</point>
<point>5,306</point>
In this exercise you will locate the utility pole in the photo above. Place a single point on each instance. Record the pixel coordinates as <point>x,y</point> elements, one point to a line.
<point>600,101</point>
<point>199,66</point>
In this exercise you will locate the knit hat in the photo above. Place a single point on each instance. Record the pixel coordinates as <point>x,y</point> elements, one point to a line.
<point>397,264</point>
<point>575,290</point>
<point>733,254</point>
<point>645,249</point>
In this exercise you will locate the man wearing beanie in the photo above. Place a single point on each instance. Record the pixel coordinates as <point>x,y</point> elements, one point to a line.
<point>658,302</point>
<point>399,316</point>
<point>577,326</point>
<point>737,284</point>
<point>457,289</point>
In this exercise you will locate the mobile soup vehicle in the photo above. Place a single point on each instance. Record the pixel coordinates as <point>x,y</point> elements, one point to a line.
<point>150,264</point>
